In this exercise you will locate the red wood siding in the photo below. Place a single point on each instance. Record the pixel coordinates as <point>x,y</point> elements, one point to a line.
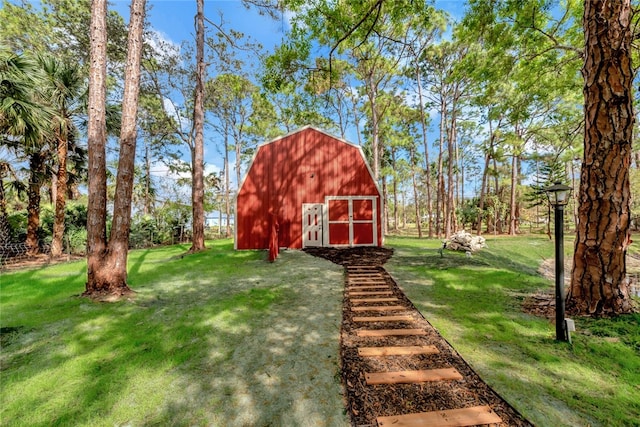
<point>302,167</point>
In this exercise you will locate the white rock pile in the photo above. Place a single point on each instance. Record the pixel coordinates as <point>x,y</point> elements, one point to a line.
<point>465,242</point>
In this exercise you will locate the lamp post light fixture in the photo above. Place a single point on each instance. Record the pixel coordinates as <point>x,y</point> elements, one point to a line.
<point>559,195</point>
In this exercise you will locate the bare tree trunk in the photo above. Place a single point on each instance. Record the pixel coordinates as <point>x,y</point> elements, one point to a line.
<point>459,177</point>
<point>227,182</point>
<point>497,226</point>
<point>599,284</point>
<point>96,141</point>
<point>425,144</point>
<point>385,194</point>
<point>356,122</point>
<point>513,222</point>
<point>108,273</point>
<point>197,168</point>
<point>440,203</point>
<point>148,205</point>
<point>483,191</point>
<point>238,148</point>
<point>485,176</point>
<point>403,201</point>
<point>238,171</point>
<point>394,189</point>
<point>375,138</point>
<point>118,247</point>
<point>462,181</point>
<point>450,210</point>
<point>416,199</point>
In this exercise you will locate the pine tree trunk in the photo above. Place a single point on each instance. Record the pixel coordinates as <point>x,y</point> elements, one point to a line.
<point>394,189</point>
<point>599,284</point>
<point>450,218</point>
<point>148,205</point>
<point>425,144</point>
<point>108,277</point>
<point>238,148</point>
<point>96,142</point>
<point>227,183</point>
<point>497,225</point>
<point>440,199</point>
<point>385,195</point>
<point>416,199</point>
<point>404,209</point>
<point>483,192</point>
<point>375,140</point>
<point>513,216</point>
<point>197,169</point>
<point>119,240</point>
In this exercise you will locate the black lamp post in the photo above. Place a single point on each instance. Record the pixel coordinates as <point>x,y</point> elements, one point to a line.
<point>558,195</point>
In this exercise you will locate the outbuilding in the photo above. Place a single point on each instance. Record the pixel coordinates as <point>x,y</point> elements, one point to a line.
<point>308,188</point>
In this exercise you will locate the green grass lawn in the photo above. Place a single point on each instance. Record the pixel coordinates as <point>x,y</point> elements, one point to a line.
<point>216,338</point>
<point>476,303</point>
<point>224,338</point>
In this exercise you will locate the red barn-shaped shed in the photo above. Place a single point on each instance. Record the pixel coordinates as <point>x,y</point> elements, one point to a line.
<point>308,188</point>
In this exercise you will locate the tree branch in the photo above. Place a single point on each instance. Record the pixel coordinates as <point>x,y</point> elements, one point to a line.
<point>377,5</point>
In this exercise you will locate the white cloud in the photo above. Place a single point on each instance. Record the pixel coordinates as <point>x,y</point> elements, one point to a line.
<point>176,169</point>
<point>179,169</point>
<point>165,50</point>
<point>211,168</point>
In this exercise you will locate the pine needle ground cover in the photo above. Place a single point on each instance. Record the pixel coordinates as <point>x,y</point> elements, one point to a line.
<point>476,304</point>
<point>216,338</point>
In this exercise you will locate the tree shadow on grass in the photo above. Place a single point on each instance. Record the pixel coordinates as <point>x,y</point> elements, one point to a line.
<point>436,258</point>
<point>139,261</point>
<point>204,347</point>
<point>279,367</point>
<point>477,305</point>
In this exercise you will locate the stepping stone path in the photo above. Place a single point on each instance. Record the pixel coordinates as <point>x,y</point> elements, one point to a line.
<point>374,302</point>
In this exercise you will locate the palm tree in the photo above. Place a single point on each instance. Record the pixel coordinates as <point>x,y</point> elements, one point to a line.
<point>22,117</point>
<point>24,125</point>
<point>65,89</point>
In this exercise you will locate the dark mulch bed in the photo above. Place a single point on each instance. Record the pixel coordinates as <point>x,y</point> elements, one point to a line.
<point>365,402</point>
<point>361,255</point>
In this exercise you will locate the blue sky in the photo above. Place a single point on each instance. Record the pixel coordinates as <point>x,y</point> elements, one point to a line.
<point>174,18</point>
